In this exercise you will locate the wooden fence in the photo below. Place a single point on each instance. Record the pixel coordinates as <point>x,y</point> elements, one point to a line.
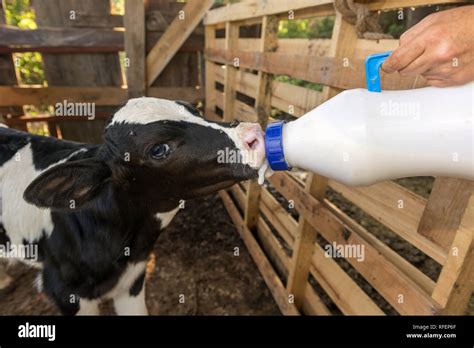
<point>80,41</point>
<point>287,223</point>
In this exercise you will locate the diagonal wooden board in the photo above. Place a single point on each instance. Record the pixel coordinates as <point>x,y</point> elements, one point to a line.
<point>179,30</point>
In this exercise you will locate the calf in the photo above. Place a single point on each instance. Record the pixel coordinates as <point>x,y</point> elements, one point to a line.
<point>95,211</point>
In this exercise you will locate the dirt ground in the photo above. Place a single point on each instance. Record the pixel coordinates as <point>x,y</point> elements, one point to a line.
<point>193,260</point>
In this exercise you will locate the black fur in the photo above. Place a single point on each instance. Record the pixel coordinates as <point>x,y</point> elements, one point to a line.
<point>113,221</point>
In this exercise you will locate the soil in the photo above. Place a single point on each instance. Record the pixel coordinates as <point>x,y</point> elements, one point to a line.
<point>193,260</point>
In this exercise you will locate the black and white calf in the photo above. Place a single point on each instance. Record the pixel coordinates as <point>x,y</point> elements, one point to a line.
<point>95,211</point>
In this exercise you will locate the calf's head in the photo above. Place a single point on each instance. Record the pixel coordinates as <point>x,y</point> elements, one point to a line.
<point>156,149</point>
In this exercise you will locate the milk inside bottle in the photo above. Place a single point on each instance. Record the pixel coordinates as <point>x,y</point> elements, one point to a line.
<point>360,137</point>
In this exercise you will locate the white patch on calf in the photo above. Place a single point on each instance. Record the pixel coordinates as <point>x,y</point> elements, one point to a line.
<point>22,220</point>
<point>123,302</point>
<point>165,218</point>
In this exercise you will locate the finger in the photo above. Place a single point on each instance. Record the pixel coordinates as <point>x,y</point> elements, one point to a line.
<point>437,82</point>
<point>442,71</point>
<point>413,32</point>
<point>403,56</point>
<point>419,66</point>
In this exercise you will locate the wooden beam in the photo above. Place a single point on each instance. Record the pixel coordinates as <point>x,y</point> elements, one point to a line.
<point>95,20</point>
<point>73,40</point>
<point>231,38</point>
<point>444,210</point>
<point>456,282</point>
<point>135,47</point>
<point>179,30</point>
<point>257,8</point>
<point>323,70</point>
<point>90,40</point>
<point>210,68</point>
<point>18,96</point>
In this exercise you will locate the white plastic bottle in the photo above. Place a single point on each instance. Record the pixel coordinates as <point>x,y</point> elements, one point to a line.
<point>361,137</point>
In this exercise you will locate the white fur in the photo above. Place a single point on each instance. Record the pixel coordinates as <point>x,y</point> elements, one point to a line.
<point>123,302</point>
<point>5,279</point>
<point>20,219</point>
<point>131,305</point>
<point>88,307</point>
<point>165,218</point>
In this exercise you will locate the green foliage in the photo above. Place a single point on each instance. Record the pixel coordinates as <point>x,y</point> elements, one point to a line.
<point>18,13</point>
<point>117,6</point>
<point>297,82</point>
<point>306,28</point>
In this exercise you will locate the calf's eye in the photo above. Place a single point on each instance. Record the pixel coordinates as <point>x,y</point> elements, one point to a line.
<point>160,151</point>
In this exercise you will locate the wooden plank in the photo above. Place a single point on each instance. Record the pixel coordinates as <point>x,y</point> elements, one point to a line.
<point>271,279</point>
<point>243,112</point>
<point>94,20</point>
<point>397,208</point>
<point>245,82</point>
<point>61,39</point>
<point>303,249</point>
<point>231,36</point>
<point>8,77</point>
<point>312,304</point>
<point>422,280</point>
<point>396,4</point>
<point>210,67</point>
<point>456,282</point>
<point>294,100</point>
<point>445,209</point>
<point>272,247</point>
<point>174,37</point>
<point>324,70</point>
<point>283,222</point>
<point>38,95</point>
<point>345,293</point>
<point>257,8</point>
<point>78,69</point>
<point>315,47</point>
<point>135,47</point>
<point>376,269</point>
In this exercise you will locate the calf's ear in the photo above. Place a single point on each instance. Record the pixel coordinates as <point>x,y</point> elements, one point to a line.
<point>69,185</point>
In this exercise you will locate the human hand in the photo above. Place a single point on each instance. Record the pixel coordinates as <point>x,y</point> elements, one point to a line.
<point>440,48</point>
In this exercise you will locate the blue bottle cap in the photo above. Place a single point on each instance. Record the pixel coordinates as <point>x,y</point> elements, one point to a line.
<point>274,146</point>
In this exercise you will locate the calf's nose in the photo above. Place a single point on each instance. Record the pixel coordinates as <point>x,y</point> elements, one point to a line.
<point>252,137</point>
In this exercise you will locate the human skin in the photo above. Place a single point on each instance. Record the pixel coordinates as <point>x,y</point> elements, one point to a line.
<point>440,48</point>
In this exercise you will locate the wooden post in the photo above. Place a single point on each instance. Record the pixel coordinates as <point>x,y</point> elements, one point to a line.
<point>344,39</point>
<point>231,39</point>
<point>263,106</point>
<point>173,38</point>
<point>444,210</point>
<point>455,284</point>
<point>134,21</point>
<point>210,80</point>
